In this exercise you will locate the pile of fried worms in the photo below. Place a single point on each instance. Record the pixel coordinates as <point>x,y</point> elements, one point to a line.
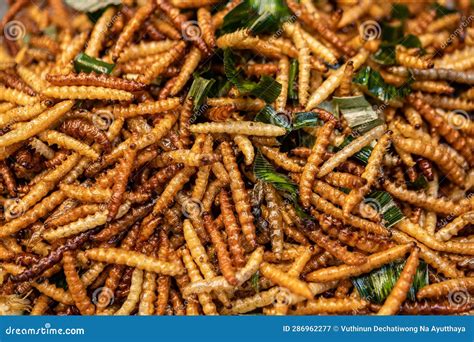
<point>205,157</point>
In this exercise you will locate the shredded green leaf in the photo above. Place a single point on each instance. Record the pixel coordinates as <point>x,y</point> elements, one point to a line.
<point>384,204</point>
<point>292,84</point>
<point>377,285</point>
<point>363,155</point>
<point>260,16</point>
<point>91,5</point>
<point>255,281</point>
<point>199,90</point>
<point>400,11</point>
<point>355,109</point>
<point>266,89</point>
<point>265,171</point>
<point>441,11</point>
<point>85,63</point>
<point>51,31</point>
<point>372,82</point>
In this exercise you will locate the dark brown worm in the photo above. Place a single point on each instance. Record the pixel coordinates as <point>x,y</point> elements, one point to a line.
<point>181,22</point>
<point>13,81</point>
<point>58,158</point>
<point>434,308</point>
<point>95,80</point>
<point>8,178</point>
<point>122,224</point>
<point>159,178</point>
<point>323,30</point>
<point>426,168</point>
<point>26,259</point>
<point>54,256</point>
<point>83,129</point>
<point>150,30</point>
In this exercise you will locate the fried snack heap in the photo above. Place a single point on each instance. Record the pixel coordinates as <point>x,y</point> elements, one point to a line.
<point>162,158</point>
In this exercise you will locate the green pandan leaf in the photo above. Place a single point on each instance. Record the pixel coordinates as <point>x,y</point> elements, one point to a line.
<point>91,5</point>
<point>377,285</point>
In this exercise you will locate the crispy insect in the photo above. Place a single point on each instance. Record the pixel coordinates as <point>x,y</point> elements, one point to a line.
<point>95,80</point>
<point>205,299</point>
<point>415,231</point>
<point>451,135</point>
<point>370,174</point>
<point>131,27</point>
<point>84,129</point>
<point>16,96</point>
<point>239,127</point>
<point>246,104</point>
<point>64,141</point>
<point>282,78</point>
<point>346,82</point>
<point>318,48</point>
<point>292,283</point>
<point>143,49</point>
<point>8,178</point>
<point>12,81</point>
<point>373,261</point>
<point>436,153</point>
<point>87,93</point>
<point>246,147</point>
<point>192,60</point>
<point>239,194</point>
<point>400,290</point>
<point>439,205</point>
<point>345,180</point>
<point>150,107</point>
<point>314,161</point>
<point>274,219</point>
<point>349,150</point>
<point>328,208</point>
<point>133,259</point>
<point>406,59</point>
<point>317,25</point>
<point>160,65</point>
<point>133,297</point>
<point>330,306</point>
<point>335,248</point>
<point>446,287</point>
<point>186,157</point>
<point>281,159</point>
<point>124,169</point>
<point>207,29</point>
<point>232,230</point>
<point>83,224</point>
<point>75,285</point>
<point>223,257</point>
<point>455,226</point>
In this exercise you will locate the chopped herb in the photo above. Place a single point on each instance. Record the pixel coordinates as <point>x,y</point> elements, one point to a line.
<point>372,82</point>
<point>266,89</point>
<point>199,90</point>
<point>85,63</point>
<point>292,84</point>
<point>377,285</point>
